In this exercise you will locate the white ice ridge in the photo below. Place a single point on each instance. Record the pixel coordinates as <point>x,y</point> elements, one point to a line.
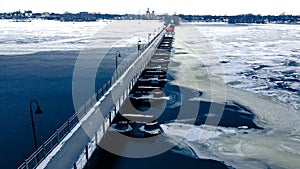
<point>195,133</point>
<point>234,146</point>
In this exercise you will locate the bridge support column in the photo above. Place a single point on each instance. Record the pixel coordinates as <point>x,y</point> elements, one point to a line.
<point>87,154</point>
<point>97,96</point>
<point>103,126</point>
<point>74,166</point>
<point>110,118</point>
<point>96,138</point>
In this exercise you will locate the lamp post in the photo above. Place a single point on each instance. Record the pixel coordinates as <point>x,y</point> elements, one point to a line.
<point>139,47</point>
<point>37,111</point>
<point>118,54</point>
<point>149,34</point>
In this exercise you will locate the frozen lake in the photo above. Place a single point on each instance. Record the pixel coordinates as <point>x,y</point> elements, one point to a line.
<point>37,61</point>
<point>260,63</point>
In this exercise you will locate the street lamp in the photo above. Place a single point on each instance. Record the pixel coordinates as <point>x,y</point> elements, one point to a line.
<point>149,34</point>
<point>37,111</point>
<point>139,47</point>
<point>118,54</point>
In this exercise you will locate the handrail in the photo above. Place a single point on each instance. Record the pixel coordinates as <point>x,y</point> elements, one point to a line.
<point>45,149</point>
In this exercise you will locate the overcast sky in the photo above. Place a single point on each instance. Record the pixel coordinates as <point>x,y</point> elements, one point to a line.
<point>214,7</point>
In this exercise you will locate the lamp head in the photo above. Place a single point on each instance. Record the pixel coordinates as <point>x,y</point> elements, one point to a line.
<point>38,110</point>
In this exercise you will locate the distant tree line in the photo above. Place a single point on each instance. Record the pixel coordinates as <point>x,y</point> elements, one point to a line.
<point>244,18</point>
<point>73,17</point>
<point>86,16</point>
<point>250,18</point>
<point>206,18</point>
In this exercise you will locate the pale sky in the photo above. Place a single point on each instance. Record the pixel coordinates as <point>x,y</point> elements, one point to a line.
<point>214,7</point>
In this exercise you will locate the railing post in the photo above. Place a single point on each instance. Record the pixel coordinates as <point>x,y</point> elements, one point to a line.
<point>26,163</point>
<point>44,151</point>
<point>36,159</point>
<point>57,132</point>
<point>69,125</point>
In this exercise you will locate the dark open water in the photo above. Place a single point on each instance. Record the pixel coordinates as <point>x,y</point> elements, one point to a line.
<point>46,77</point>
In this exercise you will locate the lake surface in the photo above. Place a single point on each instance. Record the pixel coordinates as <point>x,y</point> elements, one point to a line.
<point>37,61</point>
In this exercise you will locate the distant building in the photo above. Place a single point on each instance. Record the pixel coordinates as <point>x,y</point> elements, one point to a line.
<point>28,13</point>
<point>153,15</point>
<point>83,13</point>
<point>150,15</point>
<point>17,13</point>
<point>45,14</point>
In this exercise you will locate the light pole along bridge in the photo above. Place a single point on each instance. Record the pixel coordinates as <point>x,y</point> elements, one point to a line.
<point>73,143</point>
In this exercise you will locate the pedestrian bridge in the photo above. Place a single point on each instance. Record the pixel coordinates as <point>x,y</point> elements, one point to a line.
<point>73,143</point>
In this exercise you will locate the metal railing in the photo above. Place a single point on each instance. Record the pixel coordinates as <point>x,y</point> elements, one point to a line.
<point>45,149</point>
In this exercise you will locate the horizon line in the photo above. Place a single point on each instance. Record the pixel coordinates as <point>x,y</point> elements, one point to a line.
<point>166,13</point>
